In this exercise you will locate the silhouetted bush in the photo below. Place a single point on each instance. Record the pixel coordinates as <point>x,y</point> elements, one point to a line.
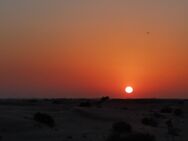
<point>121,127</point>
<point>166,110</point>
<point>140,137</point>
<point>33,101</point>
<point>124,108</point>
<point>181,102</point>
<point>178,112</point>
<point>172,131</point>
<point>56,102</point>
<point>84,136</point>
<point>150,122</point>
<point>104,98</point>
<point>85,104</point>
<point>158,115</point>
<point>114,137</point>
<point>131,137</point>
<point>45,119</point>
<point>69,137</point>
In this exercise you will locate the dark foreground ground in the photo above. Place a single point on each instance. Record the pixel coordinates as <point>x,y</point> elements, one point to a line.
<point>93,120</point>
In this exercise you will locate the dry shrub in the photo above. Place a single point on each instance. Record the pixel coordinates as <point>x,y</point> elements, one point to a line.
<point>44,119</point>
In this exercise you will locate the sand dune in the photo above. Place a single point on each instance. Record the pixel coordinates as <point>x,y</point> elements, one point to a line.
<point>92,123</point>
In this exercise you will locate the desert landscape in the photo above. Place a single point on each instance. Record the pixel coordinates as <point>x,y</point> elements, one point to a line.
<point>101,119</point>
<point>94,70</point>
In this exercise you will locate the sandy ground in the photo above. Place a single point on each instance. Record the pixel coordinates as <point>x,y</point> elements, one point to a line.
<point>94,123</point>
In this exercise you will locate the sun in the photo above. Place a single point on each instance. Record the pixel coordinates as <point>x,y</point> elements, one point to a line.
<point>129,89</point>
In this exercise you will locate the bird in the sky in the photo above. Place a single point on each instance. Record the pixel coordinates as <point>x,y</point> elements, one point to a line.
<point>147,33</point>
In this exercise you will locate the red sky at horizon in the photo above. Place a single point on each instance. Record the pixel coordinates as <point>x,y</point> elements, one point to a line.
<point>94,48</point>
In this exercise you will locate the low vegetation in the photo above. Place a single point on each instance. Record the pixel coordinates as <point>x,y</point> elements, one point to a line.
<point>101,101</point>
<point>140,137</point>
<point>44,119</point>
<point>85,104</point>
<point>124,108</point>
<point>119,130</point>
<point>131,137</point>
<point>172,131</point>
<point>166,110</point>
<point>150,122</point>
<point>178,112</point>
<point>158,115</point>
<point>104,98</point>
<point>121,127</point>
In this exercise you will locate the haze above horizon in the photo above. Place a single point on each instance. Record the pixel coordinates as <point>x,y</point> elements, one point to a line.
<point>75,48</point>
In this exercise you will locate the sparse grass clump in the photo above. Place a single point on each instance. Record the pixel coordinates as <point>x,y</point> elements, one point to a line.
<point>56,102</point>
<point>104,98</point>
<point>132,137</point>
<point>159,115</point>
<point>178,112</point>
<point>101,101</point>
<point>122,131</point>
<point>150,122</point>
<point>121,127</point>
<point>181,102</point>
<point>44,119</point>
<point>166,110</point>
<point>124,108</point>
<point>172,131</point>
<point>85,104</point>
<point>33,101</point>
<point>69,137</point>
<point>114,137</point>
<point>119,130</point>
<point>140,137</point>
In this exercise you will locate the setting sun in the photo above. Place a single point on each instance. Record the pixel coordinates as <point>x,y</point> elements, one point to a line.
<point>129,89</point>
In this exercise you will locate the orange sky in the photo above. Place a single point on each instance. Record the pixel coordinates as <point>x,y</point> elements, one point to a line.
<point>94,48</point>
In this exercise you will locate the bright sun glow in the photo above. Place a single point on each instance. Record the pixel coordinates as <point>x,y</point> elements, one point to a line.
<point>128,89</point>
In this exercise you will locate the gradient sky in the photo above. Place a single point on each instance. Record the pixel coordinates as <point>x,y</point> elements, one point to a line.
<point>92,48</point>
